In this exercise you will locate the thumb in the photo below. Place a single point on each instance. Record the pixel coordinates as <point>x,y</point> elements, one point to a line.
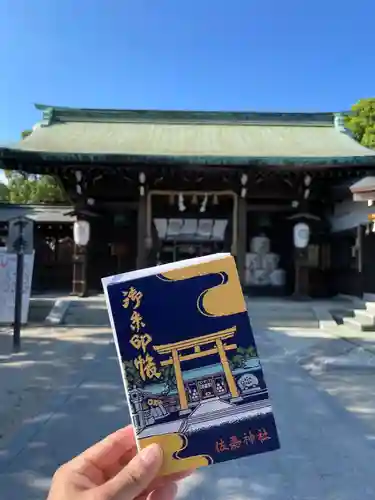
<point>136,476</point>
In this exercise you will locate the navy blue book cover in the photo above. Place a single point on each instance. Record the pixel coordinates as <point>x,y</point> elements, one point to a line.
<point>191,370</point>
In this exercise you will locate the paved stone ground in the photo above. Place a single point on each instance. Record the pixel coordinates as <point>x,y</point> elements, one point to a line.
<point>327,452</point>
<point>49,357</point>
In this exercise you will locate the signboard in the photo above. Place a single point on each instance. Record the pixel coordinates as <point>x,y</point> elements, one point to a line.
<point>8,269</point>
<point>14,228</point>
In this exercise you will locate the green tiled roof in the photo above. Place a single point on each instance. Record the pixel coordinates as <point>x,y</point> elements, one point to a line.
<point>182,134</point>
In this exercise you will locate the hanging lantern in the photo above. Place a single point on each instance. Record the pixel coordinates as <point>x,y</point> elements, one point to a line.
<point>81,232</point>
<point>301,235</point>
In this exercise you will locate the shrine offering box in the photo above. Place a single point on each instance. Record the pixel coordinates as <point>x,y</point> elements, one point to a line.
<point>189,363</point>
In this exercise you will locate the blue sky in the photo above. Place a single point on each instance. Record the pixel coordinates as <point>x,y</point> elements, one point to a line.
<point>282,55</point>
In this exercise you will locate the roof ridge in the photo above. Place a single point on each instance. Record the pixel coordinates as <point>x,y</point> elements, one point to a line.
<point>60,114</point>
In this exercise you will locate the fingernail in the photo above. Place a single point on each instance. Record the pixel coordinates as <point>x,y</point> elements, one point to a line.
<point>151,454</point>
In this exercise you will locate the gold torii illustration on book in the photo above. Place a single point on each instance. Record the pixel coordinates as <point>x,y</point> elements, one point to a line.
<point>196,343</point>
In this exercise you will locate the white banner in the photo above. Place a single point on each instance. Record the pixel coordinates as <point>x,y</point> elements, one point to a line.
<point>8,271</point>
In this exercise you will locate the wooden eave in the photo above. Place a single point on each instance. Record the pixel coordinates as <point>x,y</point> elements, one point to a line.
<point>25,159</point>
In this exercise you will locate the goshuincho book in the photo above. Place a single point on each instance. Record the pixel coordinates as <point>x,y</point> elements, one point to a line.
<point>190,366</point>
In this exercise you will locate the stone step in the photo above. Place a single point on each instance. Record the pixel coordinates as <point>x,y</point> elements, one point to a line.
<point>39,310</point>
<point>369,306</point>
<point>262,311</point>
<point>276,308</point>
<point>358,325</point>
<point>87,313</point>
<point>284,316</point>
<point>364,316</point>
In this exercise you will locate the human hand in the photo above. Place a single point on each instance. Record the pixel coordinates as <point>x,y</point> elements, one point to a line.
<point>112,470</point>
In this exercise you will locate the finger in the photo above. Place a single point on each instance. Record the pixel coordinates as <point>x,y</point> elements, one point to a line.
<point>112,447</point>
<point>117,446</point>
<point>166,492</point>
<point>136,476</point>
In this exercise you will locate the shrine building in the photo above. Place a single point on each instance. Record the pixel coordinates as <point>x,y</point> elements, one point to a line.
<point>159,186</point>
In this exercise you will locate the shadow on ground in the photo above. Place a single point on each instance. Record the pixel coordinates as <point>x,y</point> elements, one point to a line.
<point>326,450</point>
<point>45,363</point>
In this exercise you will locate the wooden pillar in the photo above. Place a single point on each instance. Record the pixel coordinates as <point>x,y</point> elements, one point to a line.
<point>179,380</point>
<point>225,364</point>
<point>80,287</point>
<point>301,274</point>
<point>360,243</point>
<point>142,233</point>
<point>359,247</point>
<point>234,225</point>
<point>241,239</point>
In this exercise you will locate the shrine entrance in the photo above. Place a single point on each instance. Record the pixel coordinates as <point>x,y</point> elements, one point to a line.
<point>206,389</point>
<point>187,224</point>
<point>192,349</point>
<point>185,238</point>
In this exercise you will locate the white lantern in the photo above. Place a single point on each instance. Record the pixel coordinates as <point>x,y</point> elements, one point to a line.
<point>81,232</point>
<point>301,235</point>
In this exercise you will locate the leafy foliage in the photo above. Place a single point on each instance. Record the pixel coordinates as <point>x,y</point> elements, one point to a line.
<point>362,122</point>
<point>25,133</point>
<point>4,192</point>
<point>132,375</point>
<point>168,377</point>
<point>24,188</point>
<point>242,356</point>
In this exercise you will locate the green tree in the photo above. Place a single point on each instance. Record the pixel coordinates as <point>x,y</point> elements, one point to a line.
<point>23,188</point>
<point>242,355</point>
<point>132,375</point>
<point>4,192</point>
<point>361,122</point>
<point>168,377</point>
<point>26,133</point>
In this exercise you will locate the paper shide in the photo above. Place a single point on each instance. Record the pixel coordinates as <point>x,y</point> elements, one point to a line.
<point>190,366</point>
